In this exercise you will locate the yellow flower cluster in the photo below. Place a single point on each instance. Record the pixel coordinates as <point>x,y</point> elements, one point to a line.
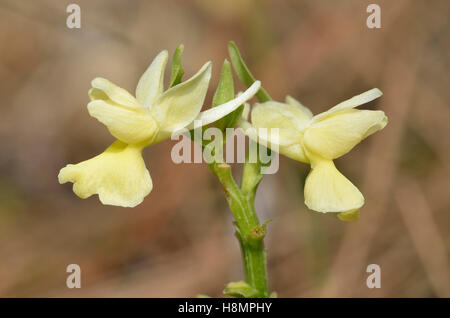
<point>119,175</point>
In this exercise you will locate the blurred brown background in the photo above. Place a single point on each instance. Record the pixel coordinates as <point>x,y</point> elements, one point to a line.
<point>180,242</point>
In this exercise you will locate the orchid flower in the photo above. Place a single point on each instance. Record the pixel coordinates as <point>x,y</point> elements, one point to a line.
<point>119,175</point>
<point>318,140</point>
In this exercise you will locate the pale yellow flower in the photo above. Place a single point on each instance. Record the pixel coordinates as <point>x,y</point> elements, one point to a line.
<point>318,140</point>
<point>118,175</point>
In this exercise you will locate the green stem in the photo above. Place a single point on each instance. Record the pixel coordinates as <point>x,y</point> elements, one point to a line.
<point>248,229</point>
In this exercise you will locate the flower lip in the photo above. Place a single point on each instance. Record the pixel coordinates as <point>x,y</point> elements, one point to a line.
<point>118,176</point>
<point>328,190</point>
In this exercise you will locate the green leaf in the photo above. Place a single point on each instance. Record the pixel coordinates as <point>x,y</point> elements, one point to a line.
<point>240,290</point>
<point>177,68</point>
<point>223,94</point>
<point>243,72</point>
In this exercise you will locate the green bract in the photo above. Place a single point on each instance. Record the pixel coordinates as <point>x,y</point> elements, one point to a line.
<point>225,93</point>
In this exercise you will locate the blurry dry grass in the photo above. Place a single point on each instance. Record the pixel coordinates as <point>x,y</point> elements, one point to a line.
<point>180,242</point>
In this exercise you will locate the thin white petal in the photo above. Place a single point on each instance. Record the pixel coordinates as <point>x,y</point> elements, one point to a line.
<point>211,115</point>
<point>353,102</point>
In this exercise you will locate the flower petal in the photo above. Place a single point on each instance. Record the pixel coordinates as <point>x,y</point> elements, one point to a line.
<point>294,151</point>
<point>327,190</point>
<point>353,102</point>
<point>129,125</point>
<point>151,83</point>
<point>267,136</point>
<point>96,94</point>
<point>337,134</point>
<point>118,176</point>
<point>211,115</point>
<point>102,87</point>
<point>180,105</point>
<point>289,119</point>
<point>305,110</point>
